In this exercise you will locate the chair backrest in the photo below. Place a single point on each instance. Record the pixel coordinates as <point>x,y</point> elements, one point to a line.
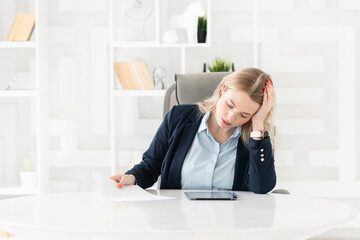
<point>191,88</point>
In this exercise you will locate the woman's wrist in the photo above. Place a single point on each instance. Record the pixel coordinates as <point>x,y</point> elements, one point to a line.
<point>257,138</point>
<point>256,126</point>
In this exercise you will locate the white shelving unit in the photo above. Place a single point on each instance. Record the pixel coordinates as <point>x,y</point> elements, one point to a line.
<point>29,95</point>
<point>18,93</point>
<point>158,45</point>
<point>139,93</point>
<point>17,191</point>
<point>155,44</point>
<point>4,44</point>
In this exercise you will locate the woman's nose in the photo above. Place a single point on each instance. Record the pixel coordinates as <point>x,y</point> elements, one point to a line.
<point>231,116</point>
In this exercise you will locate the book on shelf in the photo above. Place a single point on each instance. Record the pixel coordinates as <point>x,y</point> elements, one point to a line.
<point>133,75</point>
<point>4,234</point>
<point>22,27</point>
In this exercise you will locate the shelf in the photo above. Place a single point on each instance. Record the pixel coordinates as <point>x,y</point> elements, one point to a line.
<point>18,191</point>
<point>27,60</point>
<point>8,44</point>
<point>158,45</point>
<point>18,93</point>
<point>139,93</point>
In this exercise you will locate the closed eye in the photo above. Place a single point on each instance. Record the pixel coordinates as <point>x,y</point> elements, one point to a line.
<point>230,106</point>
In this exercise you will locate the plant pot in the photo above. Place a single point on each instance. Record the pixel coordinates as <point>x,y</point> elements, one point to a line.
<point>201,36</point>
<point>28,179</point>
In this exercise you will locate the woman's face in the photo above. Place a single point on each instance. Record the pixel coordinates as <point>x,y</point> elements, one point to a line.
<point>234,108</point>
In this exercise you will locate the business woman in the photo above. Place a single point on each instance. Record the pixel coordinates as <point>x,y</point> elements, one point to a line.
<point>224,142</point>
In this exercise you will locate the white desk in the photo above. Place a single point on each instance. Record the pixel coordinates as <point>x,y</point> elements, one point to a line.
<point>86,216</point>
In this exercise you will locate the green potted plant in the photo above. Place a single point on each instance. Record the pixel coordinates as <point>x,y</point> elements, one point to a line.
<point>219,65</point>
<point>202,29</point>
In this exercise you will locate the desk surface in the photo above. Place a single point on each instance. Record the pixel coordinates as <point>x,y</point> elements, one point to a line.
<point>85,215</point>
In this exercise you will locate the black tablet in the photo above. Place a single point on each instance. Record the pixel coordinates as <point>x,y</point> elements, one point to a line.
<point>211,195</point>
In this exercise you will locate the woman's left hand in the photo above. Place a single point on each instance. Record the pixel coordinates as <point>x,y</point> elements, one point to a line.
<point>267,104</point>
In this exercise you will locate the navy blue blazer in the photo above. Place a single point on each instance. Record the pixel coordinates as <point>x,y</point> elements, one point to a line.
<point>172,141</point>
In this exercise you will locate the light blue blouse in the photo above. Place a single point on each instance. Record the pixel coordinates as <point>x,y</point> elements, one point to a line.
<point>209,165</point>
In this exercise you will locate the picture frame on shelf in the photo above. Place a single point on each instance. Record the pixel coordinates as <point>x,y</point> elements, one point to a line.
<point>138,16</point>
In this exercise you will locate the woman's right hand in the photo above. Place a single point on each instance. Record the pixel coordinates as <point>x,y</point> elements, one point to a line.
<point>124,179</point>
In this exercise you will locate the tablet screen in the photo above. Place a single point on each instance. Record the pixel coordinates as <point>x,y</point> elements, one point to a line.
<point>211,195</point>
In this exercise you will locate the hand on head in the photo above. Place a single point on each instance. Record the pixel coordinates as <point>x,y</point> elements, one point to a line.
<point>124,179</point>
<point>267,104</point>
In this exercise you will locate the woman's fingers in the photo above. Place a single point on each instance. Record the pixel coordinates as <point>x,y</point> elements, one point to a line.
<point>267,104</point>
<point>271,98</point>
<point>124,179</point>
<point>121,182</point>
<point>268,99</point>
<point>120,179</point>
<point>265,98</point>
<point>116,178</point>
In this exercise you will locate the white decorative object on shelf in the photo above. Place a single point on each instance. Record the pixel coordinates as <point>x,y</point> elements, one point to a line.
<point>159,77</point>
<point>170,37</point>
<point>177,23</point>
<point>11,82</point>
<point>23,81</point>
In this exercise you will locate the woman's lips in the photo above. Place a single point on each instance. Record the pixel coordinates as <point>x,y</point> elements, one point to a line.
<point>225,122</point>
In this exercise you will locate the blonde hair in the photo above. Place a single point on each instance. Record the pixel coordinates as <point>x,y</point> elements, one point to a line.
<point>251,81</point>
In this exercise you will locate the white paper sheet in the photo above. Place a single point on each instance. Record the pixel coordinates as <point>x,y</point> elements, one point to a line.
<point>109,189</point>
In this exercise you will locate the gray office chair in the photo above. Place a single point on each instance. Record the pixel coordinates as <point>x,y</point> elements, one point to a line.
<point>191,88</point>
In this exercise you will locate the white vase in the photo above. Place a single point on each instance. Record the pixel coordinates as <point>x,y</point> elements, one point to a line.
<point>170,37</point>
<point>28,179</point>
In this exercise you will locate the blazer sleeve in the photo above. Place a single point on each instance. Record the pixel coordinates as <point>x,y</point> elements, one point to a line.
<point>261,174</point>
<point>148,170</point>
